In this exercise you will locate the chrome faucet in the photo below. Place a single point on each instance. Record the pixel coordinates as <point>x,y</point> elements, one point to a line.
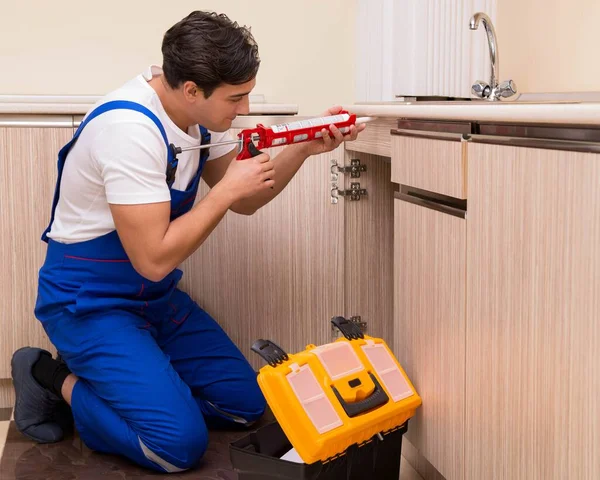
<point>493,90</point>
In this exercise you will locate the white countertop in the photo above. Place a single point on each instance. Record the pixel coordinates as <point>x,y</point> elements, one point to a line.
<point>80,105</point>
<point>522,112</point>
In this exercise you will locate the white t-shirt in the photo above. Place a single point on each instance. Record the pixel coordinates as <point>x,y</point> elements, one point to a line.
<point>121,157</point>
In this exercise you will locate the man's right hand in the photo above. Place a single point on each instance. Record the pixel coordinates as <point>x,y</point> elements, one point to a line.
<point>245,178</point>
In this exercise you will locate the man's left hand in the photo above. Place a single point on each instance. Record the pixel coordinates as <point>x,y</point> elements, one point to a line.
<point>328,143</point>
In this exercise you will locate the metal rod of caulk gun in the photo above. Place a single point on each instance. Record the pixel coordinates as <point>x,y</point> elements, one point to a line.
<point>208,145</point>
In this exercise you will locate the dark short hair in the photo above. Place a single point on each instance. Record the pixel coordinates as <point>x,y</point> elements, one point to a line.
<point>209,49</point>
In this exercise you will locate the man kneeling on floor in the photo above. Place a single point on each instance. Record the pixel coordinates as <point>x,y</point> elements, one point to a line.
<point>143,368</point>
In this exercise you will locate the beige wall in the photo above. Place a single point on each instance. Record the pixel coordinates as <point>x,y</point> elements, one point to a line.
<point>89,48</point>
<point>549,45</point>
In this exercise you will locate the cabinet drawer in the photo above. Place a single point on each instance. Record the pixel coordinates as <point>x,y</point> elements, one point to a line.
<point>375,138</point>
<point>430,162</point>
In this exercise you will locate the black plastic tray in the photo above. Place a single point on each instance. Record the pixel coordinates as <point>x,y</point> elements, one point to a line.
<point>257,457</point>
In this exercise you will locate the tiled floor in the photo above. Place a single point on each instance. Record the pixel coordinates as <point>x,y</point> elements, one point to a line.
<point>23,459</point>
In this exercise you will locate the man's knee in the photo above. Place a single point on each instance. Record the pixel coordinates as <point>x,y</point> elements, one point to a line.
<point>255,403</point>
<point>251,403</point>
<point>179,447</point>
<point>242,403</point>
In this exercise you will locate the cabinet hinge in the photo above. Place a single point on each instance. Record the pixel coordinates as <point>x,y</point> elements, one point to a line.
<point>355,191</point>
<point>353,169</point>
<point>357,319</point>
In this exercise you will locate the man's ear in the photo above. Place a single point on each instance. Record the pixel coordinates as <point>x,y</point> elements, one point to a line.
<point>191,91</point>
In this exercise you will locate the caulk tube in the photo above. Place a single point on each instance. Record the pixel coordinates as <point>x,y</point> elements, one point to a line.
<point>312,123</point>
<point>309,123</point>
<point>345,130</point>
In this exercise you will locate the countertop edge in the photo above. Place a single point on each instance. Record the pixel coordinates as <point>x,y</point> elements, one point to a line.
<point>25,108</point>
<point>70,120</point>
<point>576,114</point>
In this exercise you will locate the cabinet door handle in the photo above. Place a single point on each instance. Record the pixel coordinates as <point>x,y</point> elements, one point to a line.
<point>429,135</point>
<point>458,208</point>
<point>542,143</point>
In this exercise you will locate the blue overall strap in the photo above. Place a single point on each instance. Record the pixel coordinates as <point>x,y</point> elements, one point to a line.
<point>105,107</point>
<point>126,105</point>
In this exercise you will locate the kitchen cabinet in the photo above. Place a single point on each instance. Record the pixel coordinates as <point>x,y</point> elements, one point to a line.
<point>429,324</point>
<point>495,315</point>
<point>533,303</point>
<point>28,175</point>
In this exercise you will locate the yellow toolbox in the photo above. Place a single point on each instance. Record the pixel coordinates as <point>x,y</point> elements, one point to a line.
<point>329,397</point>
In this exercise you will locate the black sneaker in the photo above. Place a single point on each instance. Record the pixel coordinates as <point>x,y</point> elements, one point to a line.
<point>38,412</point>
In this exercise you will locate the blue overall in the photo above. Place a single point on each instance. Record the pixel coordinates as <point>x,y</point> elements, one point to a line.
<point>155,370</point>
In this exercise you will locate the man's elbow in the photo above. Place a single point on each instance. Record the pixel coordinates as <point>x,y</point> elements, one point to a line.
<point>244,209</point>
<point>152,271</point>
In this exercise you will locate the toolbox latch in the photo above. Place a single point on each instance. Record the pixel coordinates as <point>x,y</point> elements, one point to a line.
<point>272,353</point>
<point>350,330</point>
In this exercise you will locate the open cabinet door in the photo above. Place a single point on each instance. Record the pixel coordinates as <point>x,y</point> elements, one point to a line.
<point>369,244</point>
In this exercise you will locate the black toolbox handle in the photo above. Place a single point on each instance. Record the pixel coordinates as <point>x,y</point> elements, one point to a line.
<point>350,329</point>
<point>270,351</point>
<point>376,399</point>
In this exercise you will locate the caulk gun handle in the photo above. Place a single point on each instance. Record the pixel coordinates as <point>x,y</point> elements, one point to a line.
<point>249,150</point>
<point>175,150</point>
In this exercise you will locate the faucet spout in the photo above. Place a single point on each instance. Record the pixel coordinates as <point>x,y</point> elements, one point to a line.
<point>492,43</point>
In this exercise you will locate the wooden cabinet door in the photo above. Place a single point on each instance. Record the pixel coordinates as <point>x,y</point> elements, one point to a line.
<point>27,179</point>
<point>369,243</point>
<point>533,329</point>
<point>429,328</point>
<point>277,274</point>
